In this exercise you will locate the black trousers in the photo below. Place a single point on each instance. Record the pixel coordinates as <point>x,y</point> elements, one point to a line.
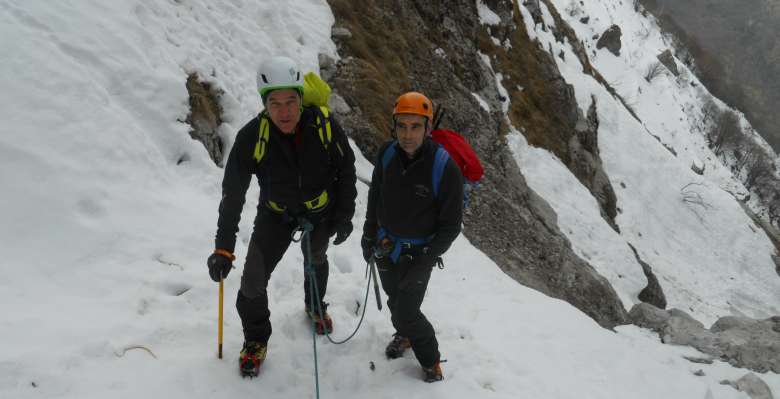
<point>405,284</point>
<point>270,240</point>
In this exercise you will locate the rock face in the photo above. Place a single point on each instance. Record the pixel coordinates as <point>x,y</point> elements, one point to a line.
<point>667,59</point>
<point>652,293</point>
<point>205,116</point>
<point>586,163</point>
<point>535,9</point>
<point>741,341</point>
<point>754,386</point>
<point>437,52</point>
<point>611,40</point>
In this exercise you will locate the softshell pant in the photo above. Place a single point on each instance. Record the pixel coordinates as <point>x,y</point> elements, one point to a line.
<point>405,283</point>
<point>270,240</point>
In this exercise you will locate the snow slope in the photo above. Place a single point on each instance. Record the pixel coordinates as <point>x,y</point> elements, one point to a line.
<point>711,259</point>
<point>106,234</point>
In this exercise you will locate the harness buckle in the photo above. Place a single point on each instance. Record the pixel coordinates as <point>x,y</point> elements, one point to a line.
<point>318,203</point>
<point>315,205</point>
<point>383,248</point>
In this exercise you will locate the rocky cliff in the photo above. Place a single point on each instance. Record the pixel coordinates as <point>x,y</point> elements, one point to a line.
<point>443,50</point>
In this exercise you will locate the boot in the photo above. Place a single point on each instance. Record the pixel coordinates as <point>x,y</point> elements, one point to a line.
<point>433,373</point>
<point>251,357</point>
<point>324,324</point>
<point>397,346</point>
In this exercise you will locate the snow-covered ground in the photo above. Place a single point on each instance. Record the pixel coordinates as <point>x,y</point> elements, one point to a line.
<point>710,258</point>
<point>105,235</point>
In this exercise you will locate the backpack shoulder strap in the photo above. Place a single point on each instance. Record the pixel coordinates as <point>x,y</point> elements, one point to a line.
<point>262,137</point>
<point>388,155</point>
<point>324,129</point>
<point>439,162</point>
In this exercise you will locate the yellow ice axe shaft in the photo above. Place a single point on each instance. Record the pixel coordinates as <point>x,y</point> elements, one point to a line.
<point>219,328</point>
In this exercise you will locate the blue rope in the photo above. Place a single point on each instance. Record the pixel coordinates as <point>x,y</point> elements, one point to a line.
<point>306,227</point>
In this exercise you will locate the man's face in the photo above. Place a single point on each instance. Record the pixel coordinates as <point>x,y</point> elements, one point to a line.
<point>410,130</point>
<point>284,108</point>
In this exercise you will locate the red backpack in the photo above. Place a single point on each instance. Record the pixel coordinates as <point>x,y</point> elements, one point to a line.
<point>461,152</point>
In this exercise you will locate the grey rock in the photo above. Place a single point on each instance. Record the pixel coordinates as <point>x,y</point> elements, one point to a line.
<point>205,115</point>
<point>674,312</point>
<point>340,33</point>
<point>698,360</point>
<point>699,373</point>
<point>585,160</point>
<point>667,59</point>
<point>729,322</point>
<point>648,316</point>
<point>739,340</point>
<point>754,386</point>
<point>750,343</point>
<point>652,293</point>
<point>611,40</point>
<point>685,331</point>
<point>338,104</point>
<point>327,66</point>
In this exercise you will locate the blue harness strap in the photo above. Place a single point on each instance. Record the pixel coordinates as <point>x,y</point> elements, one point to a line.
<point>399,242</point>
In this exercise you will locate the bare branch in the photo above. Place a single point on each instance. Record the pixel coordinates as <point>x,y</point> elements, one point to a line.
<point>693,198</point>
<point>653,71</point>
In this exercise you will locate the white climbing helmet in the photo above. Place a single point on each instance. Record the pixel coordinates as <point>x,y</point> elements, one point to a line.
<point>279,73</point>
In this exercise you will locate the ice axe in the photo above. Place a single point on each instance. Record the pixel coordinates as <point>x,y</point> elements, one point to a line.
<point>382,249</point>
<point>372,266</point>
<point>219,328</point>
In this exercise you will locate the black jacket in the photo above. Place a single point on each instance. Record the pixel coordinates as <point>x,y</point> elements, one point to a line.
<point>401,199</point>
<point>288,174</point>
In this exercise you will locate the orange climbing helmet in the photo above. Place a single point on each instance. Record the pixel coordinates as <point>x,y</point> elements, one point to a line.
<point>414,103</point>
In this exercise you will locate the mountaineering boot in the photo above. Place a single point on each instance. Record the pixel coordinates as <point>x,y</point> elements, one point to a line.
<point>433,373</point>
<point>397,346</point>
<point>251,357</point>
<point>321,324</point>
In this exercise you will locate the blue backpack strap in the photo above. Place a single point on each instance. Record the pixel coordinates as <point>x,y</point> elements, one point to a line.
<point>388,155</point>
<point>439,162</point>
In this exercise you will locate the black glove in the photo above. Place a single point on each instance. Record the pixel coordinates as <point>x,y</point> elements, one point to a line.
<point>367,243</point>
<point>219,266</point>
<point>342,230</point>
